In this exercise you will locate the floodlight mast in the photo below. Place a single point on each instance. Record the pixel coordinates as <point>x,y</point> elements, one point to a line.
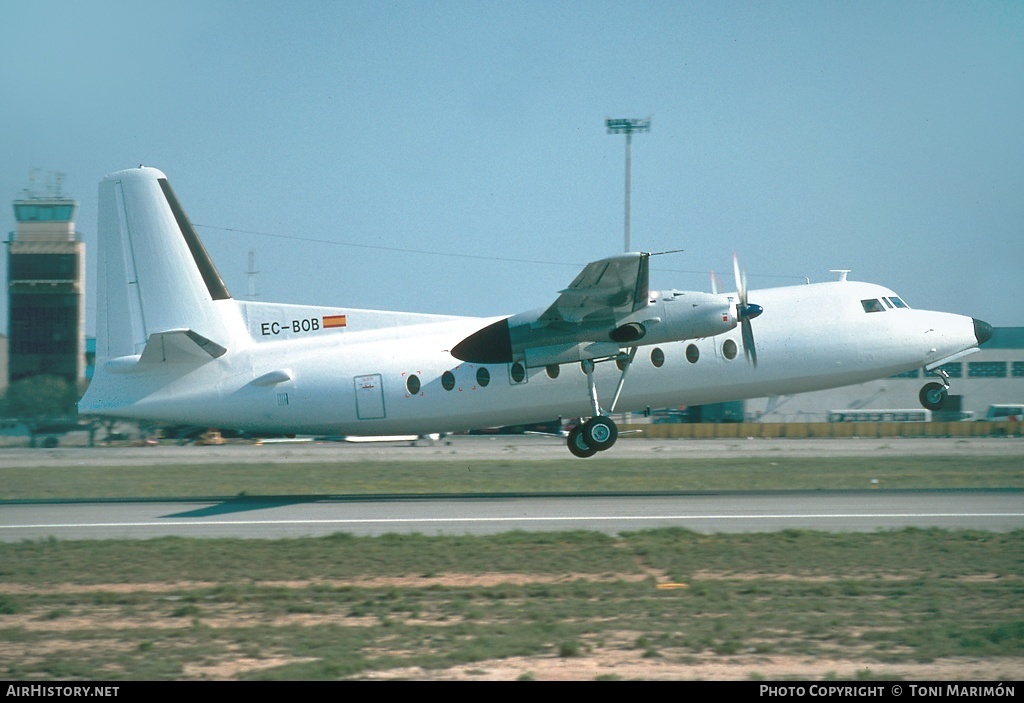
<point>627,127</point>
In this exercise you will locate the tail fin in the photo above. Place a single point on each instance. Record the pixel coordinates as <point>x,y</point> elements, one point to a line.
<point>155,277</point>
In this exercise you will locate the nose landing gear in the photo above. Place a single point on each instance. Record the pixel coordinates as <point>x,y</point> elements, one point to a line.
<point>933,395</point>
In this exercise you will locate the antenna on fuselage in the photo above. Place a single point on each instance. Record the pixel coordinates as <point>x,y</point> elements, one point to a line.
<point>842,273</point>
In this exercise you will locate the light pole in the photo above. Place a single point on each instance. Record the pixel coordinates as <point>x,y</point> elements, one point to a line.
<point>627,127</point>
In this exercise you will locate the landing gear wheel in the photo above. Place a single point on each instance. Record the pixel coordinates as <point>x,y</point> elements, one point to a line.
<point>933,396</point>
<point>600,432</point>
<point>578,445</point>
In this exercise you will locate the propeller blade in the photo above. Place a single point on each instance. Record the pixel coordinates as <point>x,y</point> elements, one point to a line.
<point>745,311</point>
<point>741,288</point>
<point>714,284</point>
<point>748,341</point>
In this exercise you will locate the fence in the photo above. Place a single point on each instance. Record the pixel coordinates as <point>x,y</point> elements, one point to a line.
<point>802,430</point>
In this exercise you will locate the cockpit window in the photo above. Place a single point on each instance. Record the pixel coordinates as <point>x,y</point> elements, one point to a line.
<point>872,305</point>
<point>898,303</point>
<point>887,303</point>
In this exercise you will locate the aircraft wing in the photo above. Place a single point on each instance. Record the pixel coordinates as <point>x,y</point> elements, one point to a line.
<point>605,309</point>
<point>603,292</point>
<point>586,313</point>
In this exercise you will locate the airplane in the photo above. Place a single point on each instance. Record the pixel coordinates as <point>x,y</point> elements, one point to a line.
<point>173,345</point>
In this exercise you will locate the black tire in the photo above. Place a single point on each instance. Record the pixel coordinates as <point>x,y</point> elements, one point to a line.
<point>578,445</point>
<point>933,396</point>
<point>600,432</point>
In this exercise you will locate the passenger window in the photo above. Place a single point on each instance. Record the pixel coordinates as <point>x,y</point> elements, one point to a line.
<point>518,372</point>
<point>872,306</point>
<point>413,384</point>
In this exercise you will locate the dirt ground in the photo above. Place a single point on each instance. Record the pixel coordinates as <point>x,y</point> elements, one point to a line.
<point>709,668</point>
<point>612,659</point>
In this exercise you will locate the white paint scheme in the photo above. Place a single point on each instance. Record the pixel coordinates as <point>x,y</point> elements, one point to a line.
<point>167,351</point>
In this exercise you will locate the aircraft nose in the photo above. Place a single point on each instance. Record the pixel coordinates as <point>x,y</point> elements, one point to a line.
<point>982,330</point>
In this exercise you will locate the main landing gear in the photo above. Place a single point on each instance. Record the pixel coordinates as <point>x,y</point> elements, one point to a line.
<point>593,436</point>
<point>933,395</point>
<point>599,432</point>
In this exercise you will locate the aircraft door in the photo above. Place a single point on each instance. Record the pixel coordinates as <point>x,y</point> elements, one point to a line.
<point>369,397</point>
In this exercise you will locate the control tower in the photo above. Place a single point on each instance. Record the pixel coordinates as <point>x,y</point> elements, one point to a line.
<point>46,289</point>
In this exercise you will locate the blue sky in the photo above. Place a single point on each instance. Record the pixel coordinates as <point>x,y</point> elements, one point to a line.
<point>452,156</point>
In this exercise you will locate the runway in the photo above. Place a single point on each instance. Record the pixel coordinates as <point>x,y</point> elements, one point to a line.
<point>705,512</point>
<point>508,448</point>
<point>273,518</point>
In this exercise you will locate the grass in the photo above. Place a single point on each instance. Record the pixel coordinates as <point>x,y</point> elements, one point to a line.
<point>306,608</point>
<point>343,607</point>
<point>494,476</point>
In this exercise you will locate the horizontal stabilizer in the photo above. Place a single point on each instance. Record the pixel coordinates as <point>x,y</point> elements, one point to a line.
<point>178,347</point>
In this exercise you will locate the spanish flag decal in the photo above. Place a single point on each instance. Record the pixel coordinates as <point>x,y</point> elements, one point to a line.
<point>334,321</point>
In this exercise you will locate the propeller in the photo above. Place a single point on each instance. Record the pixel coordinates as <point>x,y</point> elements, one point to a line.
<point>745,311</point>
<point>716,284</point>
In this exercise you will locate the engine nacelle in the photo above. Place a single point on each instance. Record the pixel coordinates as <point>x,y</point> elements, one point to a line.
<point>678,315</point>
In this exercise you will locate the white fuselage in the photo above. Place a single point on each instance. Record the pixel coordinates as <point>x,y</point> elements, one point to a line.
<point>294,375</point>
<point>173,346</point>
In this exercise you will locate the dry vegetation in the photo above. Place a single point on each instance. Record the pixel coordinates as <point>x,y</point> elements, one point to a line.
<point>663,605</point>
